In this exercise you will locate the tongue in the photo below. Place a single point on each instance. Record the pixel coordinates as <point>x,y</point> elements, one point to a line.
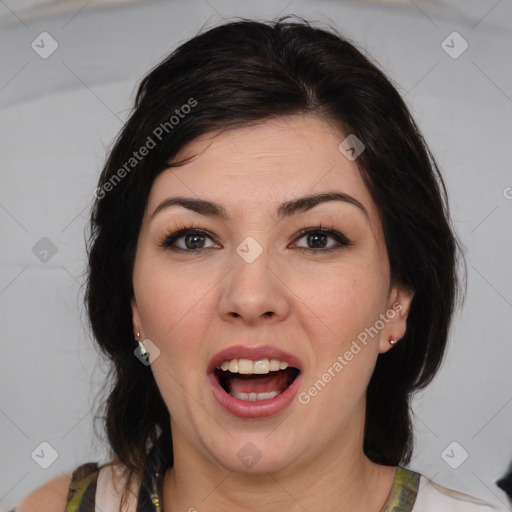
<point>273,381</point>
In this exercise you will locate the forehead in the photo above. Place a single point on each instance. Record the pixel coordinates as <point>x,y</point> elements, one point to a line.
<point>265,164</point>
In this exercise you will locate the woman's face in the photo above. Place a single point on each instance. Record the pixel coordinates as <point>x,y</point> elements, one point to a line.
<point>284,262</point>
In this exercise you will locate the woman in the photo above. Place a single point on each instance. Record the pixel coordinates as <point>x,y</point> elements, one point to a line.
<point>272,272</point>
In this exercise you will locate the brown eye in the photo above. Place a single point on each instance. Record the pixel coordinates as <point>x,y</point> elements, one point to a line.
<point>317,240</point>
<point>188,240</point>
<point>322,240</point>
<point>194,241</point>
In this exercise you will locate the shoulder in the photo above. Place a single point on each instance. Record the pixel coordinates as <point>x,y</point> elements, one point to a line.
<point>49,497</point>
<point>61,492</point>
<point>436,498</point>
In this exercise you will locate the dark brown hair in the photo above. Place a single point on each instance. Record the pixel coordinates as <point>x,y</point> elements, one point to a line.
<point>230,76</point>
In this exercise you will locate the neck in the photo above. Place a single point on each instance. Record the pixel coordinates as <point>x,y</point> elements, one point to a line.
<point>339,480</point>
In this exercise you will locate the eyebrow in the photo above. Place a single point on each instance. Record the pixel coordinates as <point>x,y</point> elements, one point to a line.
<point>286,209</point>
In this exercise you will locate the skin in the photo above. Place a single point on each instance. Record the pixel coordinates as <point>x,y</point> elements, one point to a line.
<point>50,497</point>
<point>312,305</point>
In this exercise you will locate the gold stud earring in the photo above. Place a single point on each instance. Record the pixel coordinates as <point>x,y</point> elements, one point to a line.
<point>393,342</point>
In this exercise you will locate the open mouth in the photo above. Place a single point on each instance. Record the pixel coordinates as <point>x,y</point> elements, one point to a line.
<point>254,387</point>
<point>254,382</point>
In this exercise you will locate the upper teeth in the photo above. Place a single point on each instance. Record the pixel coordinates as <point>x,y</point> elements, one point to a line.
<point>246,366</point>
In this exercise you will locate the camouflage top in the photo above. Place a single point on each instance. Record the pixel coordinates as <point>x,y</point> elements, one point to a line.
<point>405,495</point>
<point>82,491</point>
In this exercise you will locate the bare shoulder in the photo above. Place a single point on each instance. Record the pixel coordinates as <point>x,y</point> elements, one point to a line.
<point>50,497</point>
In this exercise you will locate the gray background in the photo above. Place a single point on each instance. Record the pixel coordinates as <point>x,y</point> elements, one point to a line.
<point>58,117</point>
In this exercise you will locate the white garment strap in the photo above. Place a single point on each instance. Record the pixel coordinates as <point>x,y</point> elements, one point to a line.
<point>109,488</point>
<point>435,498</point>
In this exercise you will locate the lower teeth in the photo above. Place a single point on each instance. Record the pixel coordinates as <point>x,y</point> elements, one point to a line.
<point>255,397</point>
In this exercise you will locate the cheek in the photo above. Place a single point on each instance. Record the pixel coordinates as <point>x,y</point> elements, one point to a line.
<point>337,311</point>
<point>172,310</point>
<point>169,302</point>
<point>336,306</point>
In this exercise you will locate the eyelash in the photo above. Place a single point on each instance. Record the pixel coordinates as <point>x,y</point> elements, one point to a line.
<point>168,239</point>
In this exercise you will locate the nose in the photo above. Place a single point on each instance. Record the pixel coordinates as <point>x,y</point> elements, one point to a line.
<point>253,292</point>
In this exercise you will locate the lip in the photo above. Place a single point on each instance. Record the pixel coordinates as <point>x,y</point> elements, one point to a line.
<point>254,354</point>
<point>253,410</point>
<point>262,408</point>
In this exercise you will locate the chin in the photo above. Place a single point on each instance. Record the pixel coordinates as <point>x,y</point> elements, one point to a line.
<point>255,454</point>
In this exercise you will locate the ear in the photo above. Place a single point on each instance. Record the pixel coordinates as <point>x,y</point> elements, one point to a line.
<point>136,324</point>
<point>399,304</point>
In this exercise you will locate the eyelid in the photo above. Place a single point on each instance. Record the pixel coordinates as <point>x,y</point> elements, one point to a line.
<point>168,239</point>
<point>341,239</point>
